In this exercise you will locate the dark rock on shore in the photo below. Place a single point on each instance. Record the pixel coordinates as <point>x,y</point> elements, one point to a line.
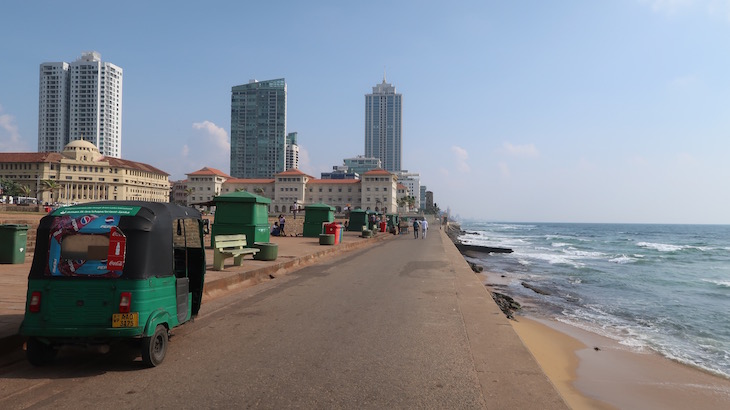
<point>506,304</point>
<point>462,247</point>
<point>476,268</point>
<point>453,230</point>
<point>535,289</point>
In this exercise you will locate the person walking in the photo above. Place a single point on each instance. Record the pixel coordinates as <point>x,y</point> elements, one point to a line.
<point>424,228</point>
<point>282,221</point>
<point>415,228</point>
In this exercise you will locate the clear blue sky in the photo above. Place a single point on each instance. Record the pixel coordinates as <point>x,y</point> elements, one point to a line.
<point>566,111</point>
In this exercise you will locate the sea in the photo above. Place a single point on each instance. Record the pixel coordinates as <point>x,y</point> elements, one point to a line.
<point>664,288</point>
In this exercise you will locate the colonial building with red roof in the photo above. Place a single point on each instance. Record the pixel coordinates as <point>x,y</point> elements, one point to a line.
<point>81,174</point>
<point>294,189</point>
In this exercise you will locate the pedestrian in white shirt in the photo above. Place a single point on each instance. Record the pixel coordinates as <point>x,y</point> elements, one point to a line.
<point>424,228</point>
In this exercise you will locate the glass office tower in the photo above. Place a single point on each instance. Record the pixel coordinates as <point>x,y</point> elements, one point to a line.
<point>258,129</point>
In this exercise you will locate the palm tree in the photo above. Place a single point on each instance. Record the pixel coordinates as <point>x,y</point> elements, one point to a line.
<point>52,186</point>
<point>24,190</point>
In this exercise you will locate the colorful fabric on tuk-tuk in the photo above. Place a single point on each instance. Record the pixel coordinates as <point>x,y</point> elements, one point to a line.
<point>95,263</point>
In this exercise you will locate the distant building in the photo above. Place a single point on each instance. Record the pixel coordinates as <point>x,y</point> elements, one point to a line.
<point>361,165</point>
<point>383,120</point>
<point>293,188</point>
<point>292,151</point>
<point>340,172</point>
<point>429,200</point>
<point>412,181</point>
<point>422,198</point>
<point>179,192</point>
<point>81,174</point>
<point>80,101</point>
<point>258,129</point>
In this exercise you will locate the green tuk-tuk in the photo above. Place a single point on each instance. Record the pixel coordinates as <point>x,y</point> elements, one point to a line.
<point>109,271</point>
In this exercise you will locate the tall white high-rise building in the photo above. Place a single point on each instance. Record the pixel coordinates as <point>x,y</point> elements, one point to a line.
<point>383,120</point>
<point>80,100</point>
<point>292,151</point>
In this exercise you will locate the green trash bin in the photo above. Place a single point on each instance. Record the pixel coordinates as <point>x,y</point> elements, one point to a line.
<point>13,240</point>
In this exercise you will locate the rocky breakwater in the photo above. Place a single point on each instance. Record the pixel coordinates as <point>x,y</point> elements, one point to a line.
<point>506,303</point>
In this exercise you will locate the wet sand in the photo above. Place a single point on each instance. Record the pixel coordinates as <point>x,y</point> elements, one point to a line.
<point>595,372</point>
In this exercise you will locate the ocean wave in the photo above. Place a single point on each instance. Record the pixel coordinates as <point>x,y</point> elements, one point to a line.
<point>584,254</point>
<point>721,283</point>
<point>622,259</point>
<point>663,247</point>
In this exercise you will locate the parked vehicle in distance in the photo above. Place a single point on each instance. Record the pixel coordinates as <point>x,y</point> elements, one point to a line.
<point>113,271</point>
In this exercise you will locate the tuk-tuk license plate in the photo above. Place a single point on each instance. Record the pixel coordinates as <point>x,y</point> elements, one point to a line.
<point>125,319</point>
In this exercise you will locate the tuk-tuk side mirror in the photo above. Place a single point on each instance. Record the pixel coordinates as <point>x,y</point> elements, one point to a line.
<point>206,226</point>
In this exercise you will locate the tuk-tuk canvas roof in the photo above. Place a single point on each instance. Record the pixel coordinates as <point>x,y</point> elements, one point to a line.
<point>149,235</point>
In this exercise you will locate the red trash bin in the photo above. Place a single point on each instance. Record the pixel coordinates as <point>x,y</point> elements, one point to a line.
<point>334,229</point>
<point>383,226</point>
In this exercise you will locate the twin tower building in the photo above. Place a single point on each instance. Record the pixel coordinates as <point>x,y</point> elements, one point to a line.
<point>82,100</point>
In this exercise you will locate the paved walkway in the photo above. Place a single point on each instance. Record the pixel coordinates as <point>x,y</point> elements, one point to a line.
<point>294,252</point>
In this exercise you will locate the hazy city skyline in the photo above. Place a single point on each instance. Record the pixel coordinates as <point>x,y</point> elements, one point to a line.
<point>571,111</point>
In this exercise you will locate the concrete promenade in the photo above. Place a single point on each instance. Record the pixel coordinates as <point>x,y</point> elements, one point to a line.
<point>507,372</point>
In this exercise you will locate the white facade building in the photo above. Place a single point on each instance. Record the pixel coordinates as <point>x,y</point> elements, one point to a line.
<point>412,181</point>
<point>81,101</point>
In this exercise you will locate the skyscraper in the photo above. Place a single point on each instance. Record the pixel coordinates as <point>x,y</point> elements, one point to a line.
<point>383,110</point>
<point>81,100</point>
<point>258,129</point>
<point>292,151</point>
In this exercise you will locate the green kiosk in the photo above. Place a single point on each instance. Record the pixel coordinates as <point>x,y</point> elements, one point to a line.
<point>242,213</point>
<point>358,219</point>
<point>315,216</point>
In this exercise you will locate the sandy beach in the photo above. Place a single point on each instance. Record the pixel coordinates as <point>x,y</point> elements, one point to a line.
<point>595,372</point>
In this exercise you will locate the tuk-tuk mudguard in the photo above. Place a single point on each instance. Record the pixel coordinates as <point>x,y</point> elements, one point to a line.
<point>158,317</point>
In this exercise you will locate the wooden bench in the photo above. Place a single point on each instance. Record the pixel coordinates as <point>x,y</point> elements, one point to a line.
<point>230,246</point>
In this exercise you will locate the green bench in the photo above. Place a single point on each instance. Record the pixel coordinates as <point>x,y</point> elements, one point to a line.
<point>230,246</point>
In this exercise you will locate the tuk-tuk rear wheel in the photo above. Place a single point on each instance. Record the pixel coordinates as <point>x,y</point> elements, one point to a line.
<point>39,353</point>
<point>155,347</point>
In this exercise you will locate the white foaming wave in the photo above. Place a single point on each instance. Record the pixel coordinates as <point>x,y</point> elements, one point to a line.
<point>661,247</point>
<point>560,244</point>
<point>555,259</point>
<point>584,254</point>
<point>622,259</point>
<point>722,283</point>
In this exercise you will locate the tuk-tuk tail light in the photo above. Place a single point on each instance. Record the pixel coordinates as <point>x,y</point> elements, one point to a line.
<point>125,302</point>
<point>35,302</point>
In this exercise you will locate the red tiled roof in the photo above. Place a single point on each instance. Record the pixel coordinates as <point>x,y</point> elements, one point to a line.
<point>210,171</point>
<point>377,171</point>
<point>293,171</point>
<point>125,163</point>
<point>33,157</point>
<point>401,186</point>
<point>30,157</point>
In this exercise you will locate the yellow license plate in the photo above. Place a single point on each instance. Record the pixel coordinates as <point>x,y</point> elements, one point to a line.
<point>125,319</point>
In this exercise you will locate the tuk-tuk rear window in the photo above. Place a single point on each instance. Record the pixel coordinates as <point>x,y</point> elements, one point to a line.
<point>86,245</point>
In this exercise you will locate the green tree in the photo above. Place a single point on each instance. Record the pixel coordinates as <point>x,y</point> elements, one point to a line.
<point>52,186</point>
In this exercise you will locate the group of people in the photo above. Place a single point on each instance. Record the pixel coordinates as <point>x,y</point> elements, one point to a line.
<point>278,228</point>
<point>423,225</point>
